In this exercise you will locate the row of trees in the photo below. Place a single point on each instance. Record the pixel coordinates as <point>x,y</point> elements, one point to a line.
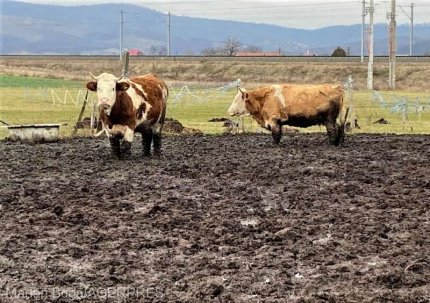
<point>230,47</point>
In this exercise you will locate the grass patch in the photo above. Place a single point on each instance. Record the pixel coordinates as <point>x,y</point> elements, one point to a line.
<point>34,82</point>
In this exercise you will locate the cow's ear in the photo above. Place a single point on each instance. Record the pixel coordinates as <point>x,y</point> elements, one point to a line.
<point>245,96</point>
<point>122,86</point>
<point>92,86</point>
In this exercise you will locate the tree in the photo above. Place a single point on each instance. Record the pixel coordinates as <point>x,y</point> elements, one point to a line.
<point>253,49</point>
<point>157,50</point>
<point>231,46</point>
<point>212,51</point>
<point>339,52</point>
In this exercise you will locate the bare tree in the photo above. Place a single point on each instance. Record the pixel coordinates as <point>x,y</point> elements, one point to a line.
<point>253,49</point>
<point>212,51</point>
<point>158,50</point>
<point>231,46</point>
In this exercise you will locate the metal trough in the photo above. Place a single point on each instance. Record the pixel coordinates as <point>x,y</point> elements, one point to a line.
<point>34,132</point>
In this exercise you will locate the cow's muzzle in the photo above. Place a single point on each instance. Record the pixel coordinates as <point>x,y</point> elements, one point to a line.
<point>240,115</point>
<point>104,105</point>
<point>233,114</point>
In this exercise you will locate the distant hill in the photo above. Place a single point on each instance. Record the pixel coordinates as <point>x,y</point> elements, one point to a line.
<point>94,29</point>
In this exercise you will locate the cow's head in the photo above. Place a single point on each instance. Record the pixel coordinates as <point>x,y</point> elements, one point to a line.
<point>238,108</point>
<point>107,87</point>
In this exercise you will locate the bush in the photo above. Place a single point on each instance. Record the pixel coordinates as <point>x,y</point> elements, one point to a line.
<point>339,52</point>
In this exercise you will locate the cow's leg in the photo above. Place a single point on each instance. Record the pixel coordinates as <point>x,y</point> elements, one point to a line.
<point>125,149</point>
<point>332,132</point>
<point>146,140</point>
<point>157,143</point>
<point>276,133</point>
<point>156,129</point>
<point>126,143</point>
<point>115,144</point>
<point>340,138</point>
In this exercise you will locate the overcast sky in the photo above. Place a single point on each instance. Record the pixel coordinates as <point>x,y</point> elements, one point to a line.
<point>307,14</point>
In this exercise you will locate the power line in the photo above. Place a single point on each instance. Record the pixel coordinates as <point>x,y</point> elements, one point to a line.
<point>411,34</point>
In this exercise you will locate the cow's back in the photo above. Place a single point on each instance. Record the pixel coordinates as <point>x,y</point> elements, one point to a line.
<point>309,100</point>
<point>155,93</point>
<point>154,87</point>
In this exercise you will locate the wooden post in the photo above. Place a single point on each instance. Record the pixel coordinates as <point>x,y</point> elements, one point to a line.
<point>81,114</point>
<point>92,119</point>
<point>350,101</point>
<point>126,59</point>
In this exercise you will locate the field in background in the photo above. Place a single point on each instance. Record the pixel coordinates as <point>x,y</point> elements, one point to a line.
<point>27,100</point>
<point>411,73</point>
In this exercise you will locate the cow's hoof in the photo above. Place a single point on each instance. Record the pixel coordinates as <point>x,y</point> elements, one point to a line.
<point>115,146</point>
<point>126,154</point>
<point>157,152</point>
<point>339,139</point>
<point>125,151</point>
<point>116,155</point>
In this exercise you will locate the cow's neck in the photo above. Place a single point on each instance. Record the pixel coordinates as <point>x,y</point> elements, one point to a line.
<point>122,111</point>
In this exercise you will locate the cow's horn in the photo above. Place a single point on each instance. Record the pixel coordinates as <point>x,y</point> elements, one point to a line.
<point>240,90</point>
<point>119,78</point>
<point>95,78</point>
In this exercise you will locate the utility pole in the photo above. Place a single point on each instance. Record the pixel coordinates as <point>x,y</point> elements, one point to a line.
<point>363,16</point>
<point>411,29</point>
<point>392,48</point>
<point>411,38</point>
<point>121,33</point>
<point>168,34</point>
<point>370,64</point>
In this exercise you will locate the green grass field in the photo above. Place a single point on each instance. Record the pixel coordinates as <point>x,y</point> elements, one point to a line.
<point>28,100</point>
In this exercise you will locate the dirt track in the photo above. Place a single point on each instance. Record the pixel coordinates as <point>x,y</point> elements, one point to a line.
<point>217,219</point>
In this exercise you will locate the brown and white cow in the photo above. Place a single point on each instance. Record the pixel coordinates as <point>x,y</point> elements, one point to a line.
<point>131,105</point>
<point>294,105</point>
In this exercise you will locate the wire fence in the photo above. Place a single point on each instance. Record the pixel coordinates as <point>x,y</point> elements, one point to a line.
<point>204,108</point>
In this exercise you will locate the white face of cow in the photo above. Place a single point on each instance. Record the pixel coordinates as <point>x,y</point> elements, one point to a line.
<point>237,108</point>
<point>107,86</point>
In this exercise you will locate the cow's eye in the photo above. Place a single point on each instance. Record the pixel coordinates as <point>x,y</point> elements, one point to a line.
<point>113,89</point>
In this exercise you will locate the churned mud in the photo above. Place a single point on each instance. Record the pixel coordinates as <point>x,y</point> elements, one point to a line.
<point>217,219</point>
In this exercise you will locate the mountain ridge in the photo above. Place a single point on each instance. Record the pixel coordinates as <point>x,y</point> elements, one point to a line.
<point>94,29</point>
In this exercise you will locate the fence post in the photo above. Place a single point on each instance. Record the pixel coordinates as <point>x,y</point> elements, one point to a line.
<point>349,88</point>
<point>126,60</point>
<point>80,114</point>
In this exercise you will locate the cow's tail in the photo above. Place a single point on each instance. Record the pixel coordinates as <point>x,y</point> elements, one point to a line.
<point>343,115</point>
<point>343,110</point>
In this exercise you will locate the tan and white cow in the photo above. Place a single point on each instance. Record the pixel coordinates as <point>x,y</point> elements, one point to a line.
<point>294,105</point>
<point>131,105</point>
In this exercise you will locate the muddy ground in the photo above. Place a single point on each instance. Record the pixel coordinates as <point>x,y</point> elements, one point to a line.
<point>217,219</point>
